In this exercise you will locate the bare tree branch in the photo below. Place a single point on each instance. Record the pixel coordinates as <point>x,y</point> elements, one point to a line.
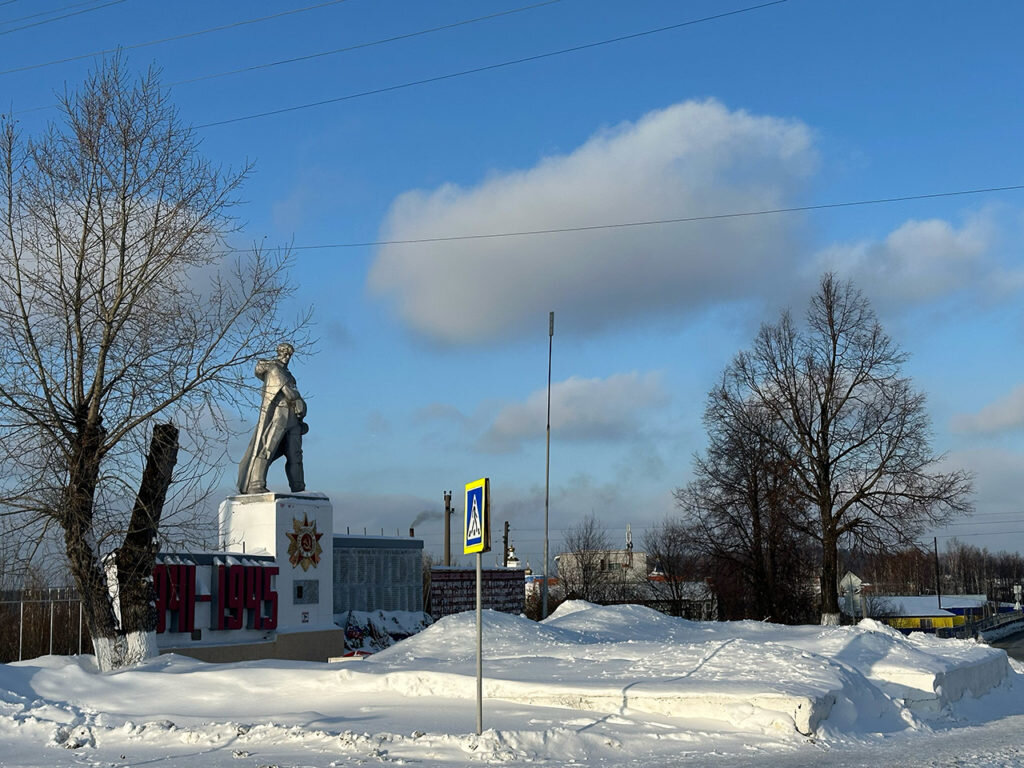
<point>855,433</point>
<point>118,307</point>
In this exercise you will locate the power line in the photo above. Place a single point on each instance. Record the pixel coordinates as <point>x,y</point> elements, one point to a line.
<point>976,515</point>
<point>162,40</point>
<point>980,523</point>
<point>655,222</point>
<point>45,13</point>
<point>488,67</point>
<point>59,18</point>
<point>370,44</point>
<point>358,46</point>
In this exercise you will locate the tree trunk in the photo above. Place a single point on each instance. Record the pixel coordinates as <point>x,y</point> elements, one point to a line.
<point>829,579</point>
<point>117,644</point>
<point>137,555</point>
<point>83,561</point>
<point>759,576</point>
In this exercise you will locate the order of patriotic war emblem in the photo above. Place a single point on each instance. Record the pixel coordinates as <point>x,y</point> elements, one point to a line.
<point>304,544</point>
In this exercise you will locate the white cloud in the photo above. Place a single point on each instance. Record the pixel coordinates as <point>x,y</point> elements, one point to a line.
<point>1003,415</point>
<point>691,159</point>
<point>924,260</point>
<point>581,409</point>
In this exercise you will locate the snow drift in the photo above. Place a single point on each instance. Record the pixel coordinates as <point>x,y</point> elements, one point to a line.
<point>586,681</point>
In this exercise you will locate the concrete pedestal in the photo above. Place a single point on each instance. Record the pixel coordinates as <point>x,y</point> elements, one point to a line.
<point>297,530</point>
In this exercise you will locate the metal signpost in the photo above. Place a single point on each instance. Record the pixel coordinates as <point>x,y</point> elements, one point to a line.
<point>476,539</point>
<point>547,475</point>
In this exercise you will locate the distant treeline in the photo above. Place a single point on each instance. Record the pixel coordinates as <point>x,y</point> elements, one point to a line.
<point>965,570</point>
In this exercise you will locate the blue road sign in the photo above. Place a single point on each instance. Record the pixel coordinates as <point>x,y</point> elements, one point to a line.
<point>476,524</point>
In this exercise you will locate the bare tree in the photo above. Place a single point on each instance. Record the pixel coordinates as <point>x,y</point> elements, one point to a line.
<point>744,513</point>
<point>905,570</point>
<point>674,561</point>
<point>856,431</point>
<point>582,564</point>
<point>119,305</point>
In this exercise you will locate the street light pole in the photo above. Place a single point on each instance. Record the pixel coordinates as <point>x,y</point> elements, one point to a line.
<point>547,474</point>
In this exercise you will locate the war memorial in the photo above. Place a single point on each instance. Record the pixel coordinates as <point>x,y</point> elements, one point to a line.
<point>281,580</point>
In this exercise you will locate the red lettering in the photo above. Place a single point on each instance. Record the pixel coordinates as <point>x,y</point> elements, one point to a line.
<point>269,621</point>
<point>236,596</point>
<point>253,596</point>
<point>160,590</point>
<point>241,596</point>
<point>174,587</point>
<point>188,573</point>
<point>220,597</point>
<point>173,593</point>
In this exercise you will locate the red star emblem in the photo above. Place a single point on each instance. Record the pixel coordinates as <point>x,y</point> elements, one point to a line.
<point>304,549</point>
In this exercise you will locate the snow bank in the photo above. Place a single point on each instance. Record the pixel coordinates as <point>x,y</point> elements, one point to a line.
<point>589,681</point>
<point>748,674</point>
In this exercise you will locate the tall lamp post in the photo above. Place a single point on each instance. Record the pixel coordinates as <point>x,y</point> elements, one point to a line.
<point>547,473</point>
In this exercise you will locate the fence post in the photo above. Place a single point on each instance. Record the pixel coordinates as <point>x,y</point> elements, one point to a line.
<point>21,625</point>
<point>50,595</point>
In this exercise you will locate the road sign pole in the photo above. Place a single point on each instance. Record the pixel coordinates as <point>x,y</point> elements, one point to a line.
<point>479,650</point>
<point>476,539</point>
<point>547,475</point>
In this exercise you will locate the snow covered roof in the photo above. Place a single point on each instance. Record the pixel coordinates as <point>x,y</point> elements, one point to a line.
<point>922,605</point>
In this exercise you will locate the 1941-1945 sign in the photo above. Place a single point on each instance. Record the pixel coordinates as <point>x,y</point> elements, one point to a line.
<point>241,597</point>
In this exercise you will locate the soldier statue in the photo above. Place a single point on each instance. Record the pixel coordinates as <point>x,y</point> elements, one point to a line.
<point>280,427</point>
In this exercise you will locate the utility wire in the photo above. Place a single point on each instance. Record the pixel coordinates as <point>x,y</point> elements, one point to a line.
<point>489,67</point>
<point>46,13</point>
<point>976,523</point>
<point>337,50</point>
<point>162,40</point>
<point>657,222</point>
<point>976,515</point>
<point>356,47</point>
<point>58,18</point>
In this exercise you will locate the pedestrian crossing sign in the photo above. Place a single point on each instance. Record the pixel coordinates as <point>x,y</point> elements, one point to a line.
<point>476,518</point>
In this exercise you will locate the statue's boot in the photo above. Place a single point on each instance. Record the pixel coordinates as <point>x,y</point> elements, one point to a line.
<point>257,476</point>
<point>296,477</point>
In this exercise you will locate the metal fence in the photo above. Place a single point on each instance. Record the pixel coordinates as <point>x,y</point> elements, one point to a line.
<point>999,620</point>
<point>974,628</point>
<point>36,622</point>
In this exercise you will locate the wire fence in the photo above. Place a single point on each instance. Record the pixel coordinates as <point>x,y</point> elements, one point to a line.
<point>37,622</point>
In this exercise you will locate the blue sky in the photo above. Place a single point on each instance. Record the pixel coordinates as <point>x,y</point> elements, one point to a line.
<point>432,357</point>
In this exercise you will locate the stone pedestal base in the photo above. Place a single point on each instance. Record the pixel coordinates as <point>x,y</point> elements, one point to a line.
<point>297,530</point>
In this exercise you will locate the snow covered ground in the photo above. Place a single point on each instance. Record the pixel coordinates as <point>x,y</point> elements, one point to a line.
<point>613,686</point>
